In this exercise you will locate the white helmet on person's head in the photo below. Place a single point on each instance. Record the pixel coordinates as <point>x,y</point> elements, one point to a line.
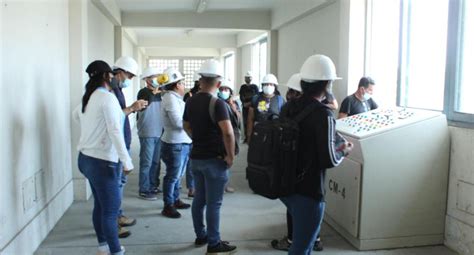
<point>295,82</point>
<point>127,64</point>
<point>169,76</point>
<point>270,79</point>
<point>318,68</point>
<point>227,83</point>
<point>248,74</point>
<point>196,77</point>
<point>150,72</point>
<point>211,68</point>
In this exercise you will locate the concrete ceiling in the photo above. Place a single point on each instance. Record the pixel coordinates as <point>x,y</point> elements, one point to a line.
<point>176,32</point>
<point>191,5</point>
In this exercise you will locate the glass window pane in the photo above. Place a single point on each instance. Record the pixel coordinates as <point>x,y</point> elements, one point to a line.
<point>263,59</point>
<point>383,50</point>
<point>190,67</point>
<point>465,103</point>
<point>229,67</point>
<point>426,54</point>
<point>255,63</point>
<point>162,64</point>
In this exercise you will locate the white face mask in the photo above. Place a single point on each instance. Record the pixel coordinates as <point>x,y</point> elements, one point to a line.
<point>367,96</point>
<point>224,95</point>
<point>268,90</point>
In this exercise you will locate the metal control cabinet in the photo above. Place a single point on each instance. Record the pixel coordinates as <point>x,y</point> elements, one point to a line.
<point>391,190</point>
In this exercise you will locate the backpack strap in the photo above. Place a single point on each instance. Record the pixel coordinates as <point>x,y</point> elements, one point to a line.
<point>212,108</point>
<point>306,111</point>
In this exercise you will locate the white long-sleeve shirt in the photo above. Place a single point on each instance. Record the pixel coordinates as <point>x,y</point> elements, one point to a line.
<point>102,126</point>
<point>172,111</point>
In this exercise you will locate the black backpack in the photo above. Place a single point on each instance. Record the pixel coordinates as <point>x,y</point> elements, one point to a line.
<point>233,120</point>
<point>273,154</point>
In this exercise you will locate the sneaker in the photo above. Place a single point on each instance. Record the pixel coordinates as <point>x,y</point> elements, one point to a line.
<point>170,212</point>
<point>156,191</point>
<point>107,250</point>
<point>191,193</point>
<point>125,221</point>
<point>223,248</point>
<point>198,242</point>
<point>148,196</point>
<point>123,232</point>
<point>282,244</point>
<point>181,205</point>
<point>318,245</point>
<point>229,189</point>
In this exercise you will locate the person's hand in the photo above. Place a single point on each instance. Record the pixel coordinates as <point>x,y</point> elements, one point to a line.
<point>229,160</point>
<point>139,105</point>
<point>347,147</point>
<point>156,91</point>
<point>127,171</point>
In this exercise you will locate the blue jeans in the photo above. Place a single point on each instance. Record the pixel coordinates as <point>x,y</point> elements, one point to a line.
<point>122,182</point>
<point>175,157</point>
<point>189,175</point>
<point>210,176</point>
<point>149,164</point>
<point>104,177</point>
<point>307,215</point>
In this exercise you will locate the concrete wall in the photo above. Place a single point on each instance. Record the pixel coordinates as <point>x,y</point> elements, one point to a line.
<point>130,93</point>
<point>36,185</point>
<point>318,32</point>
<point>460,216</point>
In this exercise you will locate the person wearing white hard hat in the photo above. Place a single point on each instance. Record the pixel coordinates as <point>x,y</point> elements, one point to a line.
<point>150,127</point>
<point>195,88</point>
<point>247,91</point>
<point>207,121</point>
<point>294,91</point>
<point>319,148</point>
<point>125,68</point>
<point>265,105</point>
<point>226,93</point>
<point>361,101</point>
<point>175,143</point>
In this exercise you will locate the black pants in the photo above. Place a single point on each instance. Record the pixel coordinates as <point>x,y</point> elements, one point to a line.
<point>245,112</point>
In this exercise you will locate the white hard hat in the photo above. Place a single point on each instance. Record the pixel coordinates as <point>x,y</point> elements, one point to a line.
<point>270,78</point>
<point>295,82</point>
<point>210,68</point>
<point>248,74</point>
<point>169,76</point>
<point>127,64</point>
<point>318,68</point>
<point>149,72</point>
<point>227,83</point>
<point>196,77</point>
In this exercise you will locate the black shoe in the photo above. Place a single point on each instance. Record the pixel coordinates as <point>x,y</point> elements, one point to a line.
<point>318,245</point>
<point>281,245</point>
<point>157,191</point>
<point>170,212</point>
<point>147,196</point>
<point>221,249</point>
<point>181,205</point>
<point>200,241</point>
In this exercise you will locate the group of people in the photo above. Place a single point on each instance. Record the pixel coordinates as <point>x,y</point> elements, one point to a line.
<point>197,134</point>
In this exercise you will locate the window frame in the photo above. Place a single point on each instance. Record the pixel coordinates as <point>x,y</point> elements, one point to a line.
<point>181,60</point>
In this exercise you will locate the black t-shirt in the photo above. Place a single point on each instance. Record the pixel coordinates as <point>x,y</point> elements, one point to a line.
<point>247,91</point>
<point>206,134</point>
<point>351,105</point>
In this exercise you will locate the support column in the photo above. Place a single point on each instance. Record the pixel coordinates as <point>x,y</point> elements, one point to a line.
<point>272,61</point>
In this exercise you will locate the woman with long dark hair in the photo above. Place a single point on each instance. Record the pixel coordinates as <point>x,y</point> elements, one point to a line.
<point>101,150</point>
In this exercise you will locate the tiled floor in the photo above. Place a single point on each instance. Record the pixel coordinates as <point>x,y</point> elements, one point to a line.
<point>247,220</point>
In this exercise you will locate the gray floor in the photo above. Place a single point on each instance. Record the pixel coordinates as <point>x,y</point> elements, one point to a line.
<point>247,220</point>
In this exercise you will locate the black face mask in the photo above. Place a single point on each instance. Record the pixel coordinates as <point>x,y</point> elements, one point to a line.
<point>114,83</point>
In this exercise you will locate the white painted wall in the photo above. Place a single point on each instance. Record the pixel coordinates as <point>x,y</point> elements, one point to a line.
<point>245,64</point>
<point>128,49</point>
<point>287,11</point>
<point>36,184</point>
<point>460,216</point>
<point>317,33</point>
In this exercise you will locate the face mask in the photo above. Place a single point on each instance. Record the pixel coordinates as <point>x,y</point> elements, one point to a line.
<point>268,90</point>
<point>154,83</point>
<point>224,95</point>
<point>367,96</point>
<point>114,83</point>
<point>126,83</point>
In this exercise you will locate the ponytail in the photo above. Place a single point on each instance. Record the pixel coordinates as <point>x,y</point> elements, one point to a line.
<point>94,83</point>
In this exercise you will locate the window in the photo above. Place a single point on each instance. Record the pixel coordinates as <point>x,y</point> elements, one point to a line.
<point>382,49</point>
<point>423,58</point>
<point>435,54</point>
<point>190,67</point>
<point>187,66</point>
<point>229,67</point>
<point>259,60</point>
<point>465,104</point>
